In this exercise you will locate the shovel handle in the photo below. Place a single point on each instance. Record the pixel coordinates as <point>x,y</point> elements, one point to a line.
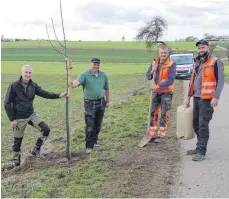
<point>154,76</point>
<point>150,101</point>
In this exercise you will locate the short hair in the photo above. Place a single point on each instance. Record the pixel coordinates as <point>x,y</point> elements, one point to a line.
<point>164,47</point>
<point>26,66</point>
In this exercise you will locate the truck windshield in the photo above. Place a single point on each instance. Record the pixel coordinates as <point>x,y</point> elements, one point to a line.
<point>182,59</point>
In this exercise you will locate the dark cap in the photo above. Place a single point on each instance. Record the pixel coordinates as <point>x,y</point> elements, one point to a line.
<point>95,60</point>
<point>202,41</point>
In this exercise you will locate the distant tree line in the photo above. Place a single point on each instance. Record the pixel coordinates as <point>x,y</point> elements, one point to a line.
<point>20,39</point>
<point>12,39</point>
<point>207,36</point>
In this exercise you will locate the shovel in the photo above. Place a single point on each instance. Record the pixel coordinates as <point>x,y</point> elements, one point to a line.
<point>147,137</point>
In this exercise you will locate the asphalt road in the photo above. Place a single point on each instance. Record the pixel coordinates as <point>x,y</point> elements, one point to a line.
<point>209,178</point>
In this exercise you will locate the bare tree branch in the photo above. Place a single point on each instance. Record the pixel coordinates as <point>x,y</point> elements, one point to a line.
<point>54,30</point>
<point>152,32</point>
<point>63,27</point>
<point>56,49</point>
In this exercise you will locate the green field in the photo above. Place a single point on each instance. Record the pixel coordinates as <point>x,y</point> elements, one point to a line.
<point>105,44</point>
<point>123,126</point>
<point>125,79</point>
<point>226,70</point>
<point>100,44</point>
<point>224,44</point>
<point>83,55</point>
<point>78,55</point>
<point>108,52</point>
<point>51,76</point>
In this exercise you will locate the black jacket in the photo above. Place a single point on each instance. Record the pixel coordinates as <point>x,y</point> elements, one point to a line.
<point>19,104</point>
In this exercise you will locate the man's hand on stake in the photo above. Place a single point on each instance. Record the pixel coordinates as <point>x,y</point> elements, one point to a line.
<point>75,83</point>
<point>65,94</point>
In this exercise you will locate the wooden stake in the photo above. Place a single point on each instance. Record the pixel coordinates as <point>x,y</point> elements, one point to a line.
<point>69,107</point>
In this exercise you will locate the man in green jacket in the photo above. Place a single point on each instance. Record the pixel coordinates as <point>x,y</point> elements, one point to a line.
<point>96,99</point>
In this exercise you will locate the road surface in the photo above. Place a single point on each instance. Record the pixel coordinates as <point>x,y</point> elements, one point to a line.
<point>209,178</point>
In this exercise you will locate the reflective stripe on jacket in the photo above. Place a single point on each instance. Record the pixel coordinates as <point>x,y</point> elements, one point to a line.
<point>163,74</point>
<point>208,80</point>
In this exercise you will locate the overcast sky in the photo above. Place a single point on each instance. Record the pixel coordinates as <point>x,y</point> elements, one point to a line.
<point>100,20</point>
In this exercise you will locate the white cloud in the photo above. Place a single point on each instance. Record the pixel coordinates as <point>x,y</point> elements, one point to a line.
<point>109,20</point>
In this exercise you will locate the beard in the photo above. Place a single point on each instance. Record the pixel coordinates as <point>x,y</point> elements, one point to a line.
<point>204,54</point>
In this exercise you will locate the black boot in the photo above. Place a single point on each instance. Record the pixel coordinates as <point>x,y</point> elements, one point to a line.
<point>17,151</point>
<point>36,150</point>
<point>16,162</point>
<point>16,158</point>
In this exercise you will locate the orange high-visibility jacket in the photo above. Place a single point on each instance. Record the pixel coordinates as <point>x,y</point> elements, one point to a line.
<point>208,79</point>
<point>163,74</point>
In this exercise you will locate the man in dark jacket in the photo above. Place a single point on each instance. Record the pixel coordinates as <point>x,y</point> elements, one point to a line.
<point>19,109</point>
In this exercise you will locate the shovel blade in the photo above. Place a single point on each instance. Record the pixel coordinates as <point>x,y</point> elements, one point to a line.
<point>144,141</point>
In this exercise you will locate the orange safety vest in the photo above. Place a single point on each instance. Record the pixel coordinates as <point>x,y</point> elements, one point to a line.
<point>163,74</point>
<point>208,79</point>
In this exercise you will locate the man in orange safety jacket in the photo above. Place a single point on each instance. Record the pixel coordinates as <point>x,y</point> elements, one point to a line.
<point>165,71</point>
<point>205,86</point>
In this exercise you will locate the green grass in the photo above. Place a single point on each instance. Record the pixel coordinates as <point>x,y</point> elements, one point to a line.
<point>13,68</point>
<point>126,76</point>
<point>88,178</point>
<point>224,44</point>
<point>106,44</point>
<point>78,55</point>
<point>219,54</point>
<point>101,44</point>
<point>226,70</point>
<point>108,52</point>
